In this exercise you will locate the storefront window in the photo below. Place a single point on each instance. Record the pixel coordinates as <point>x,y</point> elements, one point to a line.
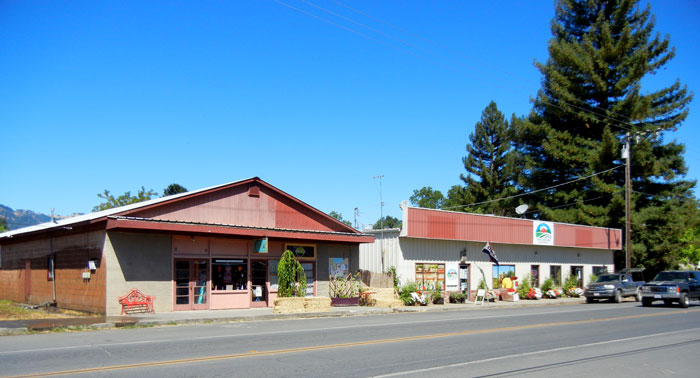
<point>229,274</point>
<point>302,251</point>
<point>555,274</point>
<point>274,282</point>
<point>430,276</point>
<point>502,276</point>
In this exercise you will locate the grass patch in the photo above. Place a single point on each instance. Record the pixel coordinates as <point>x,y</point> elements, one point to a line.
<point>14,311</point>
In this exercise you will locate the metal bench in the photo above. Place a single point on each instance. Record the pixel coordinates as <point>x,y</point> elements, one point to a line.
<point>137,301</point>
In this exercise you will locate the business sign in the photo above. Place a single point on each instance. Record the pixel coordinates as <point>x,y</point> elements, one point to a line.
<point>452,275</point>
<point>542,233</point>
<point>260,246</point>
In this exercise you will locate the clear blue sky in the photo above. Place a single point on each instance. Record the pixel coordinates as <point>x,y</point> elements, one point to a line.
<point>117,95</point>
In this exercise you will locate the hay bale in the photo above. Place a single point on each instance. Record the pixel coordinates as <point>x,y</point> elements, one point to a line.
<point>292,305</point>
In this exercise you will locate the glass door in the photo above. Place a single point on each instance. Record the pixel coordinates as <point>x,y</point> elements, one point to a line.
<point>258,280</point>
<point>191,284</point>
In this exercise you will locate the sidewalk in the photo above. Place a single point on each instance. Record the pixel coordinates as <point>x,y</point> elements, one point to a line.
<point>14,327</point>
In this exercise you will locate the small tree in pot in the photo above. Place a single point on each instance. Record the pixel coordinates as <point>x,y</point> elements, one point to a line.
<point>291,276</point>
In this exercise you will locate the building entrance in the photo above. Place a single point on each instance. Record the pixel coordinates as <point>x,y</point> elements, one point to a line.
<point>259,292</point>
<point>191,284</point>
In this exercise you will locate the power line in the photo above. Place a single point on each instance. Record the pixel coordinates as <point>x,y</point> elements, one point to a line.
<point>534,191</point>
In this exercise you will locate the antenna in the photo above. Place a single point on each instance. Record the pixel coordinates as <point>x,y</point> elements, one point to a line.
<point>521,209</point>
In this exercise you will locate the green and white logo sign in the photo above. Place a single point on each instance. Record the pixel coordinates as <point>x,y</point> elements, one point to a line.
<point>543,233</point>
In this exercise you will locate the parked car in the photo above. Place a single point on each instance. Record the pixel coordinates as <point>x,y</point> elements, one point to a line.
<point>614,286</point>
<point>672,286</point>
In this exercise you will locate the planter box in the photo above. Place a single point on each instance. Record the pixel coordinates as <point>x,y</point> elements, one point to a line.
<point>342,302</point>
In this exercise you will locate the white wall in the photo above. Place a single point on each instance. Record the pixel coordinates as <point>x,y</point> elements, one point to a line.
<point>404,253</point>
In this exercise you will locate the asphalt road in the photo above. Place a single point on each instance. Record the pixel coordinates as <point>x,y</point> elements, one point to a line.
<point>549,341</point>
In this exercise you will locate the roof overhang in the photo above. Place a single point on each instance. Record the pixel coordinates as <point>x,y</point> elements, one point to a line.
<point>153,225</point>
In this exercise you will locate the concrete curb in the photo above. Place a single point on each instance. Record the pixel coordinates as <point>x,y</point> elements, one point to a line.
<point>355,311</point>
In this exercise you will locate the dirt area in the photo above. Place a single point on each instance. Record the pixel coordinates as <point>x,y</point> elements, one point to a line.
<point>15,311</point>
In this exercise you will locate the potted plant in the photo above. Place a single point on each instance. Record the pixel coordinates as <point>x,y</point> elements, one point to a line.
<point>437,298</point>
<point>456,297</point>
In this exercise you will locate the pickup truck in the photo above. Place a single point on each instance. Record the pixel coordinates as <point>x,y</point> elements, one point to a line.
<point>672,286</point>
<point>613,286</point>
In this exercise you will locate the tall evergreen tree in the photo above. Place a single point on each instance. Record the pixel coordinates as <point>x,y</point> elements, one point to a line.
<point>490,164</point>
<point>591,97</point>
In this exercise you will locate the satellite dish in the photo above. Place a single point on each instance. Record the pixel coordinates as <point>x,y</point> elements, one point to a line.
<point>521,209</point>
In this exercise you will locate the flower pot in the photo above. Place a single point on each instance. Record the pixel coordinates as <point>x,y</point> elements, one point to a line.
<point>342,302</point>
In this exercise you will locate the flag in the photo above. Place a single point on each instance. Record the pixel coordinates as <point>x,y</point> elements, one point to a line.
<point>489,251</point>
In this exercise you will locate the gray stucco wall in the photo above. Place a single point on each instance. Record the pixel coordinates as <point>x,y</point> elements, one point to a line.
<point>141,261</point>
<point>328,251</point>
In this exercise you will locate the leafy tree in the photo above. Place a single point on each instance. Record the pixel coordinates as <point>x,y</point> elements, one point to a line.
<point>387,222</point>
<point>339,217</point>
<point>174,189</point>
<point>591,96</point>
<point>3,224</point>
<point>690,253</point>
<point>427,198</point>
<point>490,164</point>
<point>291,276</point>
<point>124,199</point>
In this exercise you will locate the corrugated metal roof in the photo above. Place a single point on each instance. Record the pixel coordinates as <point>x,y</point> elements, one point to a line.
<point>67,222</point>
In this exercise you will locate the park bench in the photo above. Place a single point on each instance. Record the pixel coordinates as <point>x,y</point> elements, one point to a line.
<point>137,301</point>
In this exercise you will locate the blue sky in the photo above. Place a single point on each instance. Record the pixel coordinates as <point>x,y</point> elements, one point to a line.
<point>314,97</point>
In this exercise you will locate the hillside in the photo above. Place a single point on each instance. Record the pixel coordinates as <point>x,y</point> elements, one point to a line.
<point>23,218</point>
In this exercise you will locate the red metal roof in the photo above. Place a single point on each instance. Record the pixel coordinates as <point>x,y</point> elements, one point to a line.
<point>448,225</point>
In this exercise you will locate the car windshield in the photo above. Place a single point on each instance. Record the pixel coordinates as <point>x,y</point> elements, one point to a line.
<point>607,278</point>
<point>671,276</point>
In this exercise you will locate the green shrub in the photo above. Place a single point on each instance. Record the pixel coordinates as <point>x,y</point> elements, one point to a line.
<point>392,270</point>
<point>436,297</point>
<point>570,281</point>
<point>405,293</point>
<point>457,297</point>
<point>524,286</point>
<point>482,284</point>
<point>291,276</point>
<point>547,285</point>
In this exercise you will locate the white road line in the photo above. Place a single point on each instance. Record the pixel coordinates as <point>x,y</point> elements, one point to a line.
<point>510,356</point>
<point>299,330</point>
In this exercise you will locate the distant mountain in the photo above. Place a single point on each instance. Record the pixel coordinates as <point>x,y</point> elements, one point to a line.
<point>24,218</point>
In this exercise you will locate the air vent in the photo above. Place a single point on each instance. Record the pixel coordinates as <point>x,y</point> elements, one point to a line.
<point>254,191</point>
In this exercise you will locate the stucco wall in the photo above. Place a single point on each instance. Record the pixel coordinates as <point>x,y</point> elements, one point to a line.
<point>328,251</point>
<point>140,261</point>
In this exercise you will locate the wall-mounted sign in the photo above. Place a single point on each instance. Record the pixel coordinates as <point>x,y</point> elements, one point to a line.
<point>542,233</point>
<point>305,251</point>
<point>260,246</point>
<point>451,275</point>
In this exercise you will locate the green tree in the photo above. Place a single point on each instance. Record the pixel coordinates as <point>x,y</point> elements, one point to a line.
<point>339,217</point>
<point>291,278</point>
<point>427,198</point>
<point>124,199</point>
<point>387,222</point>
<point>490,164</point>
<point>174,189</point>
<point>3,224</point>
<point>690,253</point>
<point>591,96</point>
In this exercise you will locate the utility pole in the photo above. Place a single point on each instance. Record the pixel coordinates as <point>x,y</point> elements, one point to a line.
<point>628,190</point>
<point>355,213</point>
<point>381,218</point>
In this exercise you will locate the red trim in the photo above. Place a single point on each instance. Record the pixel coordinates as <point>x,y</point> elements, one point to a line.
<point>130,224</point>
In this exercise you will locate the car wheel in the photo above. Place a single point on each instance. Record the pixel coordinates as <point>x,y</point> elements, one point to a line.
<point>638,296</point>
<point>618,296</point>
<point>646,302</point>
<point>684,301</point>
<point>590,300</point>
